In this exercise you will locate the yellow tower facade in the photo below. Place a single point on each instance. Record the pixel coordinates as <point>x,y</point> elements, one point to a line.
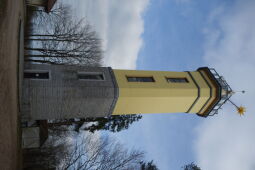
<point>142,92</point>
<point>65,92</point>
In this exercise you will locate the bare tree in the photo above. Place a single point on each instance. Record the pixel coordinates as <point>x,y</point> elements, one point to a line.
<point>42,17</point>
<point>49,156</point>
<point>100,154</point>
<point>88,152</point>
<point>59,38</point>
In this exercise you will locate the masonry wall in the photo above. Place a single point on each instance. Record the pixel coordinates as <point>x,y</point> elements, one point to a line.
<point>64,96</point>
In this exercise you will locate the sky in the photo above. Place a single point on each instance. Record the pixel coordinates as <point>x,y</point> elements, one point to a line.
<point>180,35</point>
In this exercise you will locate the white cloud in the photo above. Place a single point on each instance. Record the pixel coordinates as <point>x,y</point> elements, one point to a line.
<point>119,24</point>
<point>226,141</point>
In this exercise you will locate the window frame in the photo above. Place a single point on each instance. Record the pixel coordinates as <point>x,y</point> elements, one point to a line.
<point>152,78</point>
<point>168,79</point>
<point>37,71</point>
<point>90,73</point>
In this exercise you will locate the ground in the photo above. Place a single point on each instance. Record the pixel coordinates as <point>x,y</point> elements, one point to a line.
<point>11,11</point>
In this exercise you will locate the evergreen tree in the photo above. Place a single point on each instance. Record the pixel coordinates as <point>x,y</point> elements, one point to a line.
<point>148,166</point>
<point>191,166</point>
<point>114,123</point>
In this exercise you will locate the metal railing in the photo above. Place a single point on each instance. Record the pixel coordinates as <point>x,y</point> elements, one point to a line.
<point>224,97</point>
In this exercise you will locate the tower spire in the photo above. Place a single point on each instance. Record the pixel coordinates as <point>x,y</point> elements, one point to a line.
<point>240,109</point>
<point>227,93</point>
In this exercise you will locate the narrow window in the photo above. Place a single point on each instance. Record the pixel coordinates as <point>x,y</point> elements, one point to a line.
<point>177,80</point>
<point>91,76</point>
<point>140,79</point>
<point>36,75</point>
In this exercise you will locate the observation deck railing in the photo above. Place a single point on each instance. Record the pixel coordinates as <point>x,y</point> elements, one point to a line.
<point>224,88</point>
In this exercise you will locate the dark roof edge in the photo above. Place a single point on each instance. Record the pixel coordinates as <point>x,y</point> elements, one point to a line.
<point>49,5</point>
<point>218,91</point>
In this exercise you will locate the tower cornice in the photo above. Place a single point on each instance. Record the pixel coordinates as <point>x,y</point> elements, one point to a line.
<point>218,93</point>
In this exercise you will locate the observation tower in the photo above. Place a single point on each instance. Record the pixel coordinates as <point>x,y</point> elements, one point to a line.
<point>64,92</point>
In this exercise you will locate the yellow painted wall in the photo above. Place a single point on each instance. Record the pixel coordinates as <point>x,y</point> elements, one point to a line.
<point>213,92</point>
<point>159,96</point>
<point>204,92</point>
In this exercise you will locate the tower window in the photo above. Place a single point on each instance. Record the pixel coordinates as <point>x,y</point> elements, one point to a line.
<point>36,74</point>
<point>140,79</point>
<point>177,80</point>
<point>91,76</point>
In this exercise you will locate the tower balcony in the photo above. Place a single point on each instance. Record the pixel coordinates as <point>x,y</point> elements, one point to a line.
<point>223,91</point>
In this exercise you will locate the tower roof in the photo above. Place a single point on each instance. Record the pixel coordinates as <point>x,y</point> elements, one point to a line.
<point>49,5</point>
<point>223,91</point>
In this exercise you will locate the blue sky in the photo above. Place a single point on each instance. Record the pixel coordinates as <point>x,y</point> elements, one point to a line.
<point>173,35</point>
<point>180,35</point>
